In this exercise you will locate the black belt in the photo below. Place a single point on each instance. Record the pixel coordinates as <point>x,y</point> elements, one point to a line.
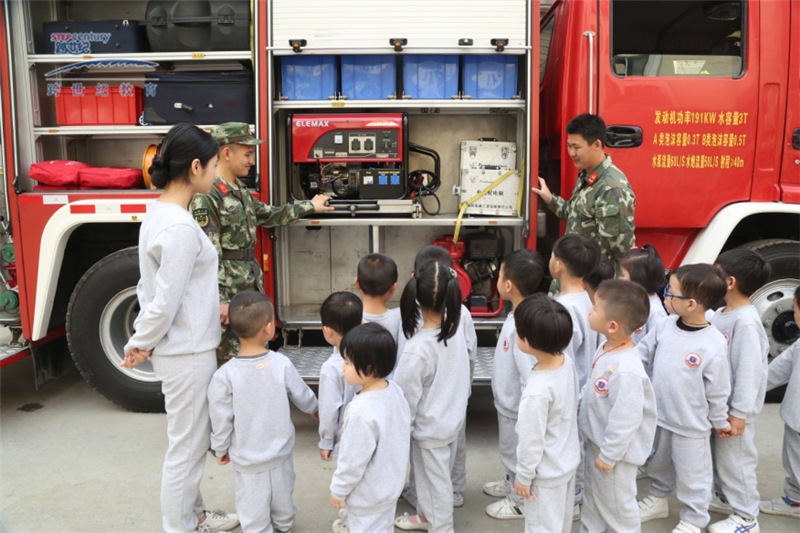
<point>239,255</point>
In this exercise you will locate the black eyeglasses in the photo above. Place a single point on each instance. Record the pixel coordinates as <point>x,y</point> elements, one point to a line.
<point>668,294</point>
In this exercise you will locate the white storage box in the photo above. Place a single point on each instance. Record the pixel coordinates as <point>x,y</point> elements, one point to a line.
<point>482,163</point>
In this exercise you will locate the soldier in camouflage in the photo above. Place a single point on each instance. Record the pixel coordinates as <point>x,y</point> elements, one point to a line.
<point>229,215</point>
<point>602,204</point>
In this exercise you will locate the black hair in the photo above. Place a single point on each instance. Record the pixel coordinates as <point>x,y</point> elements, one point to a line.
<point>525,269</point>
<point>579,253</point>
<point>249,312</point>
<point>435,287</point>
<point>183,144</point>
<point>645,267</point>
<point>433,253</point>
<point>703,283</point>
<point>376,274</point>
<point>626,303</point>
<point>604,271</point>
<point>371,350</point>
<point>543,323</point>
<point>341,311</point>
<point>590,127</point>
<point>748,267</point>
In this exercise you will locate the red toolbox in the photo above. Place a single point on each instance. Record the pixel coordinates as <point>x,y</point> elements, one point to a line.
<point>118,106</point>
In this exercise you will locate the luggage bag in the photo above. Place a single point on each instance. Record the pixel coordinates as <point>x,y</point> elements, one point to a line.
<point>94,37</point>
<point>198,25</point>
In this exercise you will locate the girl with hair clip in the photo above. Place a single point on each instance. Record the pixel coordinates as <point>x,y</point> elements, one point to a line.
<point>644,267</point>
<point>178,323</point>
<point>434,376</point>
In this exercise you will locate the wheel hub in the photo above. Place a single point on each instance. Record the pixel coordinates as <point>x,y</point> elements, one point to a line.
<point>774,304</point>
<point>116,327</point>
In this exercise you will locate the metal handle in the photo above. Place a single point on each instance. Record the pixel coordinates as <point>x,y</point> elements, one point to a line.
<point>590,35</point>
<point>796,139</point>
<point>624,136</point>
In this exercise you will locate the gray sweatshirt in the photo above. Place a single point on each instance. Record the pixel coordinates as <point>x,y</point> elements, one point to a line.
<point>334,396</point>
<point>548,452</point>
<point>371,469</point>
<point>786,369</point>
<point>618,408</point>
<point>690,376</point>
<point>506,374</point>
<point>393,322</point>
<point>466,328</point>
<point>584,339</point>
<point>435,382</point>
<point>657,314</point>
<point>248,402</point>
<point>178,292</point>
<point>748,348</point>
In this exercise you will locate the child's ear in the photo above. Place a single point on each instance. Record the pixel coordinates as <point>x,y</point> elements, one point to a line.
<point>269,329</point>
<point>692,305</point>
<point>326,331</point>
<point>358,287</point>
<point>731,282</point>
<point>613,327</point>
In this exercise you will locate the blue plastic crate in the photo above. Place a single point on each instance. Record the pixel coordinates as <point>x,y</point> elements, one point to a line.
<point>490,77</point>
<point>307,77</point>
<point>369,77</point>
<point>431,77</point>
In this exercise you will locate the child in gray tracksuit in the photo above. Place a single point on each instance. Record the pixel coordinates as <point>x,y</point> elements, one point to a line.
<point>520,275</point>
<point>250,420</point>
<point>434,376</point>
<point>736,458</point>
<point>372,464</point>
<point>340,312</point>
<point>785,370</point>
<point>644,267</point>
<point>549,450</point>
<point>618,411</point>
<point>687,358</point>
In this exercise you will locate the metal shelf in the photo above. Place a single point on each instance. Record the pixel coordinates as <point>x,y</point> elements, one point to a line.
<point>147,56</point>
<point>445,221</point>
<point>440,105</point>
<point>111,130</point>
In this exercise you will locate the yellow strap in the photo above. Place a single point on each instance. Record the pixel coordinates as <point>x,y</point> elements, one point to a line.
<point>463,207</point>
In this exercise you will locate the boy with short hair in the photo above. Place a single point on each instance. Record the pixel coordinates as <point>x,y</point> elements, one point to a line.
<point>549,451</point>
<point>376,438</point>
<point>592,280</point>
<point>618,411</point>
<point>688,362</point>
<point>785,370</point>
<point>376,278</point>
<point>520,275</point>
<point>736,459</point>
<point>249,397</point>
<point>340,312</point>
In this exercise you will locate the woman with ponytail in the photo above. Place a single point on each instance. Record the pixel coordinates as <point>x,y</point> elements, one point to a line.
<point>434,376</point>
<point>178,324</point>
<point>644,267</point>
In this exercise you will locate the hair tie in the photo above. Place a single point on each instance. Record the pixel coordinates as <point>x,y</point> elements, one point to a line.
<point>453,273</point>
<point>634,247</point>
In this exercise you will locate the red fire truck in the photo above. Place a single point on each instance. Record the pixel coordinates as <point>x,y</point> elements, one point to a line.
<point>400,110</point>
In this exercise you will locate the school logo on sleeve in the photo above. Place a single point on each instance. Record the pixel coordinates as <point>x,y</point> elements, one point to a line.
<point>506,344</point>
<point>693,360</point>
<point>727,337</point>
<point>639,331</point>
<point>601,385</point>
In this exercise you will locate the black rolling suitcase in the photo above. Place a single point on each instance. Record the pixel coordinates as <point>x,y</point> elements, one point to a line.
<point>94,37</point>
<point>198,25</point>
<point>200,98</point>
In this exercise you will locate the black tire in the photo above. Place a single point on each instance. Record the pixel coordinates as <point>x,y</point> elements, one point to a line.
<point>774,300</point>
<point>99,322</point>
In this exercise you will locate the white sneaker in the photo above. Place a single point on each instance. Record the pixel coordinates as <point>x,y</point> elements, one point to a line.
<point>505,509</point>
<point>498,489</point>
<point>720,505</point>
<point>411,523</point>
<point>220,520</point>
<point>652,508</point>
<point>203,528</point>
<point>339,526</point>
<point>781,506</point>
<point>686,527</point>
<point>458,499</point>
<point>409,496</point>
<point>735,524</point>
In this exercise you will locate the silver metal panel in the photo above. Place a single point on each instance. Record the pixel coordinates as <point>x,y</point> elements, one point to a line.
<point>429,106</point>
<point>105,131</point>
<point>7,351</point>
<point>440,221</point>
<point>500,158</point>
<point>143,56</point>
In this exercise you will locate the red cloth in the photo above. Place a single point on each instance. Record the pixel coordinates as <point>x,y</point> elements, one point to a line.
<point>57,173</point>
<point>111,178</point>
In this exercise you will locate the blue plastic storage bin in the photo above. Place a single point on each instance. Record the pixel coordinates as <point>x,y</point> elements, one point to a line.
<point>430,76</point>
<point>490,77</point>
<point>307,77</point>
<point>369,77</point>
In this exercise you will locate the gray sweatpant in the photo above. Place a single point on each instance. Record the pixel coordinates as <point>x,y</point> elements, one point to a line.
<point>551,509</point>
<point>580,473</point>
<point>609,500</point>
<point>735,462</point>
<point>459,471</point>
<point>688,461</point>
<point>791,463</point>
<point>363,521</point>
<point>507,434</point>
<point>184,382</point>
<point>264,499</point>
<point>432,468</point>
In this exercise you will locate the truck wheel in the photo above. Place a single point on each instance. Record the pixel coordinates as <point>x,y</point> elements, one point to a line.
<point>100,319</point>
<point>774,300</point>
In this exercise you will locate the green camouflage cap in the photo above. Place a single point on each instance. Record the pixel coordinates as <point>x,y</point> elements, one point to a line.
<point>234,133</point>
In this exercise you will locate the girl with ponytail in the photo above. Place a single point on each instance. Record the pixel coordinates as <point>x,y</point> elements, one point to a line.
<point>434,374</point>
<point>644,267</point>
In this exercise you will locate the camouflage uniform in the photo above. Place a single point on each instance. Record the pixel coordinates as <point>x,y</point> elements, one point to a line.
<point>230,215</point>
<point>601,207</point>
